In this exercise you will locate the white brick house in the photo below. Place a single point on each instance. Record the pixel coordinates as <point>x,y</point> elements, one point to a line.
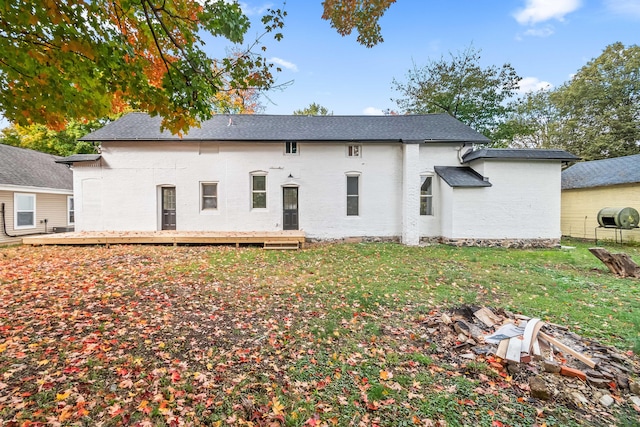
<point>405,178</point>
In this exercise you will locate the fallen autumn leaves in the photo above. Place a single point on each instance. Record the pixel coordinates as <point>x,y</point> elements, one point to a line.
<point>148,335</point>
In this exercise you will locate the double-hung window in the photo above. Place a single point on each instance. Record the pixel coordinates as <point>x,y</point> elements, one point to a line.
<point>426,195</point>
<point>71,211</point>
<point>24,210</point>
<point>258,191</point>
<point>209,196</point>
<point>353,195</point>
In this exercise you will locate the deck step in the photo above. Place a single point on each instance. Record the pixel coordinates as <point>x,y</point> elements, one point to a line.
<point>282,244</point>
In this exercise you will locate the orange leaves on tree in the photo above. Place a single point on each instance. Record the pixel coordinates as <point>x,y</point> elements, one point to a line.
<point>362,16</point>
<point>84,60</point>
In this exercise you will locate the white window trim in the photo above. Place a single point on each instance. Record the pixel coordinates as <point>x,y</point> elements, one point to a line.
<point>351,148</point>
<point>15,211</point>
<point>428,175</point>
<point>251,192</point>
<point>69,210</point>
<point>202,208</point>
<point>287,144</point>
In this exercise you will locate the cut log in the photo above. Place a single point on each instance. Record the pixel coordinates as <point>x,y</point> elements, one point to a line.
<point>619,264</point>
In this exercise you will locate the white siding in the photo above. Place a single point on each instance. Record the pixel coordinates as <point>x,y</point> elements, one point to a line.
<point>49,207</point>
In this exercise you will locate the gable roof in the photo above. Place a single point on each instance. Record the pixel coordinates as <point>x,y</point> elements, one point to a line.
<point>518,154</point>
<point>456,176</point>
<point>29,168</point>
<point>601,173</point>
<point>274,128</point>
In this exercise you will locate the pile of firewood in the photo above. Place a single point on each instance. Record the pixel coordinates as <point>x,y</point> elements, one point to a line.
<point>549,352</point>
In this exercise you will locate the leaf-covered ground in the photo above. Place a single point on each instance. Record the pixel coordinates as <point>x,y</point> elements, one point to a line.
<point>332,335</point>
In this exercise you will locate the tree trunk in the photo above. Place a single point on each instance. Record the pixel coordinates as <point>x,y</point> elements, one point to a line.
<point>619,264</point>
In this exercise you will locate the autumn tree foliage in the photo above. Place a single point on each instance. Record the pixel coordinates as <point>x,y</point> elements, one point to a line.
<point>359,15</point>
<point>80,59</point>
<point>86,59</point>
<point>64,142</point>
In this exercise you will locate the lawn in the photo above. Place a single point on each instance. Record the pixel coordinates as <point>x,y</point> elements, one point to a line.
<point>329,335</point>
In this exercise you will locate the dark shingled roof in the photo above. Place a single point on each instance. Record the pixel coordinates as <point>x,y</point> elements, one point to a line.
<point>30,168</point>
<point>518,153</point>
<point>251,127</point>
<point>461,176</point>
<point>601,173</point>
<point>79,158</point>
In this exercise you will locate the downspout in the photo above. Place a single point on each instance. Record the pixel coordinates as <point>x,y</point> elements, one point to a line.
<point>4,223</point>
<point>464,144</point>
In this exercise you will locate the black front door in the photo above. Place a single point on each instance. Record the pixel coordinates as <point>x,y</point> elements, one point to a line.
<point>168,208</point>
<point>290,208</point>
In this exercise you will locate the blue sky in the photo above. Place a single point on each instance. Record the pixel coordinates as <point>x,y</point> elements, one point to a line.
<point>546,41</point>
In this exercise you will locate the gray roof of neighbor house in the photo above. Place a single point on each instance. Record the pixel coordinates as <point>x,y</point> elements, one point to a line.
<point>601,173</point>
<point>456,176</point>
<point>28,168</point>
<point>519,154</point>
<point>251,127</point>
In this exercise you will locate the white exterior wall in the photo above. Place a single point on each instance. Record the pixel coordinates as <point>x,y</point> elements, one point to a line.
<point>432,155</point>
<point>411,194</point>
<point>522,203</point>
<point>121,192</point>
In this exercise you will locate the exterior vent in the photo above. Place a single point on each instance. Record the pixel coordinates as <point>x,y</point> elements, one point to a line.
<point>622,218</point>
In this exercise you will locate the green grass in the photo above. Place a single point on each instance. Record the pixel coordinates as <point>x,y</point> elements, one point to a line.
<point>332,335</point>
<point>568,286</point>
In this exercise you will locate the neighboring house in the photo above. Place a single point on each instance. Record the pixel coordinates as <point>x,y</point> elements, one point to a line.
<point>36,194</point>
<point>587,187</point>
<point>399,178</point>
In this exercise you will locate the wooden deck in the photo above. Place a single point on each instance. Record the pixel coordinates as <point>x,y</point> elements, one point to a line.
<point>289,239</point>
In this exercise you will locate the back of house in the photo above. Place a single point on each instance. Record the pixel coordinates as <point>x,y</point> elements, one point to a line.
<point>406,178</point>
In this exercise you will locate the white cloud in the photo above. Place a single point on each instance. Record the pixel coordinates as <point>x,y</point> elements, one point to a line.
<point>372,111</point>
<point>284,64</point>
<point>254,10</point>
<point>533,84</point>
<point>545,31</point>
<point>624,7</point>
<point>544,10</point>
